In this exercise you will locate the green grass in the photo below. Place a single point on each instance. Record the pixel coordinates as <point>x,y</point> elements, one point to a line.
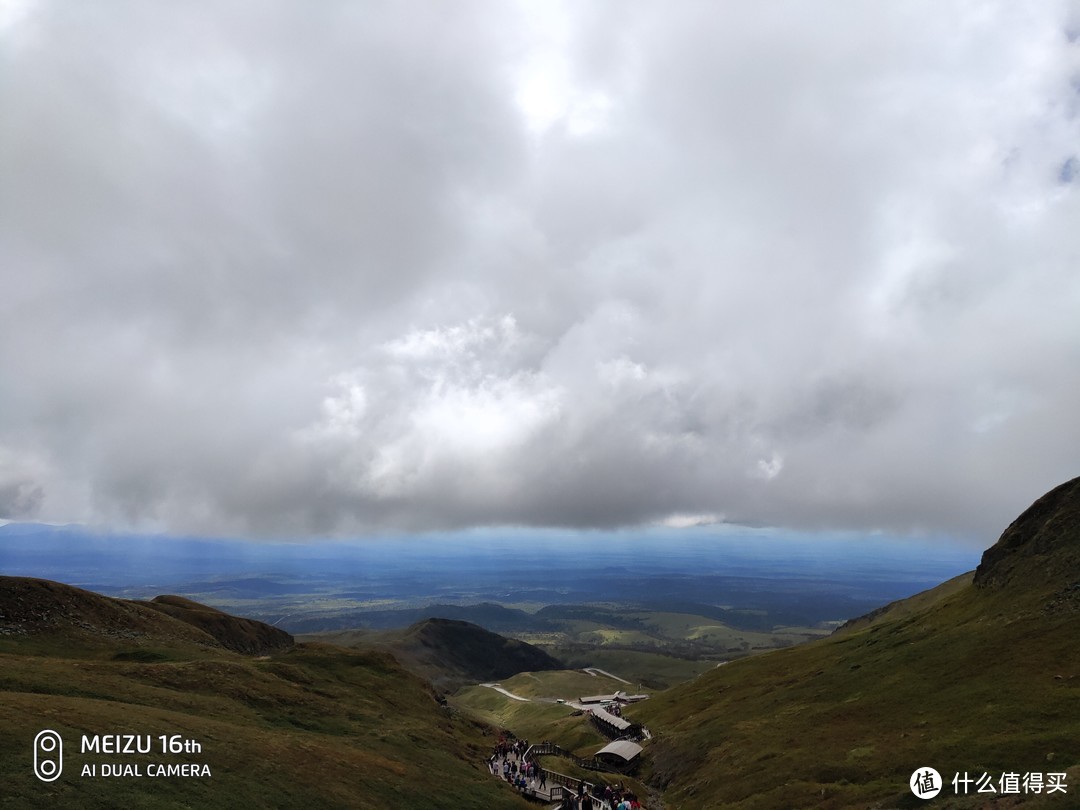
<point>682,634</point>
<point>537,721</point>
<point>703,630</point>
<point>651,670</point>
<point>314,726</point>
<point>958,680</point>
<point>569,684</point>
<point>533,721</point>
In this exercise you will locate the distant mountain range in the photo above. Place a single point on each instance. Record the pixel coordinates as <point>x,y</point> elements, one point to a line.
<point>489,615</point>
<point>761,581</point>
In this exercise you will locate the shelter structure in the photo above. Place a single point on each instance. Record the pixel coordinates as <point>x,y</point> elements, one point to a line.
<point>615,697</point>
<point>589,699</point>
<point>621,755</point>
<point>612,726</point>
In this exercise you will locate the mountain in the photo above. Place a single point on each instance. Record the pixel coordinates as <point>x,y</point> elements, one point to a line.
<point>295,725</point>
<point>980,675</point>
<point>451,653</point>
<point>42,607</point>
<point>231,632</point>
<point>1040,550</point>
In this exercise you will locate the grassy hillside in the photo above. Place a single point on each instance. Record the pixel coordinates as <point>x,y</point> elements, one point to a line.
<point>647,670</point>
<point>708,634</point>
<point>231,632</point>
<point>451,653</point>
<point>540,716</point>
<point>533,720</point>
<point>312,725</point>
<point>977,676</point>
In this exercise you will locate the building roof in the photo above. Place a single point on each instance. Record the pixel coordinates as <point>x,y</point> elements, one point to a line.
<point>624,749</point>
<point>610,719</point>
<point>617,696</point>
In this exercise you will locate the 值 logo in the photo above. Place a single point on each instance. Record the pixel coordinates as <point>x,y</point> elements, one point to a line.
<point>925,783</point>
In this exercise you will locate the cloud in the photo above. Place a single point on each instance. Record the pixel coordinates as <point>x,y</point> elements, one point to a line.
<point>690,521</point>
<point>340,269</point>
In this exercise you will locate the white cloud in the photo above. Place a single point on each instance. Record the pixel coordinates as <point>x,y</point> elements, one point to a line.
<point>690,521</point>
<point>341,268</point>
<point>551,90</point>
<point>771,467</point>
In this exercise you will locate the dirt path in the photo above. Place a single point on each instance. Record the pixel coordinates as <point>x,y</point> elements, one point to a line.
<point>498,688</point>
<point>594,672</point>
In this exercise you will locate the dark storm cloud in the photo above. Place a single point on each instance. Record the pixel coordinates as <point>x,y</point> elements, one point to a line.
<point>284,268</point>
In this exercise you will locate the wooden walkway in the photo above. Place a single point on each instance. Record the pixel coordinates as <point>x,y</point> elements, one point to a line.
<point>554,785</point>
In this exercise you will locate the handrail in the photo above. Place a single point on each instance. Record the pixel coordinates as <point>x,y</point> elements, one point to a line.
<point>561,782</point>
<point>551,749</point>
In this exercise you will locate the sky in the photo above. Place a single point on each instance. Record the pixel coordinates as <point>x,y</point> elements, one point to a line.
<point>329,269</point>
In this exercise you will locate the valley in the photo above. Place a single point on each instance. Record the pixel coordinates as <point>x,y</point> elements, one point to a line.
<point>765,697</point>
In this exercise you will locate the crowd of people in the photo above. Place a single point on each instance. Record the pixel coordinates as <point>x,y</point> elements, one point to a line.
<point>508,761</point>
<point>612,707</point>
<point>599,797</point>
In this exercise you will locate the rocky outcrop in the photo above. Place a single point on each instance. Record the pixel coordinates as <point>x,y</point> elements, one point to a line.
<point>1041,548</point>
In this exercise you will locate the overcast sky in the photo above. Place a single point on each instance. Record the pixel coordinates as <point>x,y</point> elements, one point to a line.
<point>292,268</point>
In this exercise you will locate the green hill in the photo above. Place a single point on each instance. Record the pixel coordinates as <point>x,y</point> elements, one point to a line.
<point>298,725</point>
<point>231,632</point>
<point>451,653</point>
<point>980,675</point>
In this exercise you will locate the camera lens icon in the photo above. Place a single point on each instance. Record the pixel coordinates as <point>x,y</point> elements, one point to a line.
<point>48,755</point>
